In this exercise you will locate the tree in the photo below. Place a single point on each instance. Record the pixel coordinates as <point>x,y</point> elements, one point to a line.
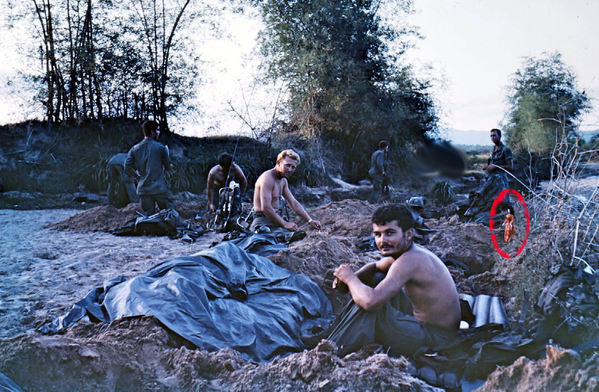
<point>160,21</point>
<point>346,87</point>
<point>111,58</point>
<point>545,104</point>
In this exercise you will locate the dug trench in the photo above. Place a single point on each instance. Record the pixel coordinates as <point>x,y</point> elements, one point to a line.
<point>52,258</point>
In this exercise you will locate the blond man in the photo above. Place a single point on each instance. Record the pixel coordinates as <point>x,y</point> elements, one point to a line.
<point>270,187</point>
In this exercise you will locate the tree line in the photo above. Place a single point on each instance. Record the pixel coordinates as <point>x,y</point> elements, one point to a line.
<point>341,64</point>
<point>109,59</point>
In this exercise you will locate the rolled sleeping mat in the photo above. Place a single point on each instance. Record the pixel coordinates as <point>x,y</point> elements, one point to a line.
<point>467,315</point>
<point>497,312</point>
<point>481,309</point>
<point>468,298</point>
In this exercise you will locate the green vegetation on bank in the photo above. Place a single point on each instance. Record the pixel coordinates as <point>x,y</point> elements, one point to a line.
<point>342,76</point>
<point>36,157</point>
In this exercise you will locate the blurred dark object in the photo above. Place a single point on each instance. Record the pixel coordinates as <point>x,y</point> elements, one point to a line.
<point>441,158</point>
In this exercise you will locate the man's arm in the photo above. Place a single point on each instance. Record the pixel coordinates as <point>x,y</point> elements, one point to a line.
<point>243,182</point>
<point>509,166</point>
<point>364,274</point>
<point>297,207</point>
<point>366,271</point>
<point>209,186</point>
<point>371,299</point>
<point>130,166</point>
<point>166,158</point>
<point>380,162</point>
<point>506,155</point>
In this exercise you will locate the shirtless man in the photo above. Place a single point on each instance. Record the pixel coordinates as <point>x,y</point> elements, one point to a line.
<point>269,188</point>
<point>217,179</point>
<point>408,268</point>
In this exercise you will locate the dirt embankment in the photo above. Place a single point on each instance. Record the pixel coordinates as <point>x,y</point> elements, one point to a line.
<point>51,259</point>
<point>561,370</point>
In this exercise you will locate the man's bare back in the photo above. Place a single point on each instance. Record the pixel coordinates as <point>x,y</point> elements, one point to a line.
<point>217,179</point>
<point>218,176</point>
<point>430,287</point>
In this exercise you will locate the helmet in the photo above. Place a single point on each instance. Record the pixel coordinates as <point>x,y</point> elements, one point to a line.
<point>416,201</point>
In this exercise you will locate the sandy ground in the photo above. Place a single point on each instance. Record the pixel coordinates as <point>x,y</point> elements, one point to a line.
<point>44,271</point>
<point>52,258</point>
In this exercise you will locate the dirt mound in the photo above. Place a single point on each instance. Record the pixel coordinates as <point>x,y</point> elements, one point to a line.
<point>320,369</point>
<point>562,370</point>
<point>349,218</point>
<point>318,255</point>
<point>106,218</point>
<point>138,354</point>
<point>344,224</point>
<point>469,243</point>
<point>101,218</point>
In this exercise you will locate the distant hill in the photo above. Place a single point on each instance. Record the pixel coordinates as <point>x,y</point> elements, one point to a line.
<point>468,138</point>
<point>587,135</point>
<point>481,138</point>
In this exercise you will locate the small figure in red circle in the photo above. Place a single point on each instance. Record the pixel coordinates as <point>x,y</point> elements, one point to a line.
<point>509,225</point>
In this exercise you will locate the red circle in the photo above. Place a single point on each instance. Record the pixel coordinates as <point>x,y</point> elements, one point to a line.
<point>498,200</point>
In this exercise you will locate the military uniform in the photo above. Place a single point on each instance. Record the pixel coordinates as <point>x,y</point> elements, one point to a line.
<point>377,168</point>
<point>150,158</point>
<point>500,156</point>
<point>121,187</point>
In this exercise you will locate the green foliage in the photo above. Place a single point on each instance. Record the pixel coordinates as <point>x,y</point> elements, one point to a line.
<point>347,88</point>
<point>188,173</point>
<point>69,159</point>
<point>91,171</point>
<point>545,105</point>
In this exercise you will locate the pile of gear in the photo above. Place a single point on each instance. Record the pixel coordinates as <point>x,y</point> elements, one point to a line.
<point>477,208</point>
<point>164,223</point>
<point>230,208</point>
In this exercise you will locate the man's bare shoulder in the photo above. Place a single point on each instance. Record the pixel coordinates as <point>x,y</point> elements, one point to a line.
<point>265,179</point>
<point>421,260</point>
<point>413,258</point>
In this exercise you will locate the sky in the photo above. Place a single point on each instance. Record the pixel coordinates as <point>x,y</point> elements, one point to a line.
<point>470,47</point>
<point>475,46</point>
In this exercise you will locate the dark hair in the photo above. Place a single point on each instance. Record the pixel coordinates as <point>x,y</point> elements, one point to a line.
<point>383,144</point>
<point>149,126</point>
<point>225,159</point>
<point>497,130</point>
<point>394,212</point>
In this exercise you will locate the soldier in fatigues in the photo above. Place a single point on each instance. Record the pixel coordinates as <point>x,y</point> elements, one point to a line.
<point>377,170</point>
<point>121,185</point>
<point>147,161</point>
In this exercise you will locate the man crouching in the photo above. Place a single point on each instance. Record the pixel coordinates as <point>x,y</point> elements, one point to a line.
<point>414,306</point>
